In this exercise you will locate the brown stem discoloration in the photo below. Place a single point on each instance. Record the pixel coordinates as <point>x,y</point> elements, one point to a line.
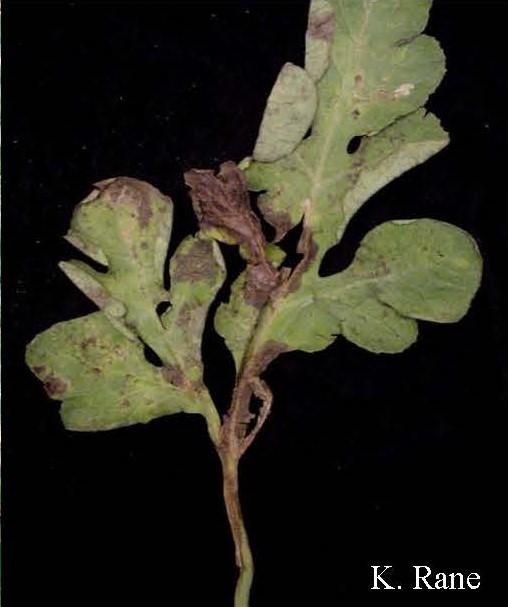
<point>222,204</point>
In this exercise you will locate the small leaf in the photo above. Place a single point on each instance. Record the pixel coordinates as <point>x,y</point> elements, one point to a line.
<point>236,319</point>
<point>102,377</point>
<point>197,271</point>
<point>222,206</point>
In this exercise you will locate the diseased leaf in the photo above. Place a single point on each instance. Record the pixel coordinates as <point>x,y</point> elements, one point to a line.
<point>289,113</point>
<point>197,272</point>
<point>319,38</point>
<point>373,71</point>
<point>377,69</point>
<point>404,270</point>
<point>126,224</point>
<point>102,377</point>
<point>236,319</point>
<point>368,72</point>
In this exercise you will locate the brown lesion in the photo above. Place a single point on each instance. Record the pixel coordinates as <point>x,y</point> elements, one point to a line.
<point>197,264</point>
<point>184,316</point>
<point>54,385</point>
<point>88,341</point>
<point>235,437</point>
<point>128,191</point>
<point>222,202</point>
<point>261,280</point>
<point>174,375</point>
<point>322,25</point>
<point>280,220</point>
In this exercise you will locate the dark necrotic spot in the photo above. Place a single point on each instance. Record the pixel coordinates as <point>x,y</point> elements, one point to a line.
<point>55,386</point>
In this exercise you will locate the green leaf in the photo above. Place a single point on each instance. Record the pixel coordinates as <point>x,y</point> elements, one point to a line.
<point>96,364</point>
<point>373,68</point>
<point>102,377</point>
<point>236,319</point>
<point>373,71</point>
<point>127,223</point>
<point>288,115</point>
<point>319,38</point>
<point>197,272</point>
<point>404,270</point>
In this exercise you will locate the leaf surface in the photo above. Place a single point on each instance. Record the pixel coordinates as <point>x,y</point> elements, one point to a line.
<point>96,364</point>
<point>403,271</point>
<point>372,70</point>
<point>372,67</point>
<point>102,377</point>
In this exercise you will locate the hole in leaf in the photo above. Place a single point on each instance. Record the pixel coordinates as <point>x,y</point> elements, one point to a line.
<point>354,144</point>
<point>152,357</point>
<point>162,307</point>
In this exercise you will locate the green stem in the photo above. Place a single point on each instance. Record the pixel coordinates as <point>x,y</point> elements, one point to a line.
<point>243,553</point>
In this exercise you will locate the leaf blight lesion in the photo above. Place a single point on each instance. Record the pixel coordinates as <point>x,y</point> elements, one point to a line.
<point>362,78</point>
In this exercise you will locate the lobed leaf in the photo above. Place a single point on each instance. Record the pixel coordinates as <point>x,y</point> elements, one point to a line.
<point>96,364</point>
<point>129,223</point>
<point>372,68</point>
<point>102,377</point>
<point>403,271</point>
<point>197,272</point>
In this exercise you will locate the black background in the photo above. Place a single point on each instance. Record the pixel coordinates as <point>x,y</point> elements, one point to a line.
<point>366,459</point>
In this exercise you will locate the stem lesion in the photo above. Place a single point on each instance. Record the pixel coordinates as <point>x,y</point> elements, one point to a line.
<point>234,441</point>
<point>243,554</point>
<point>222,204</point>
